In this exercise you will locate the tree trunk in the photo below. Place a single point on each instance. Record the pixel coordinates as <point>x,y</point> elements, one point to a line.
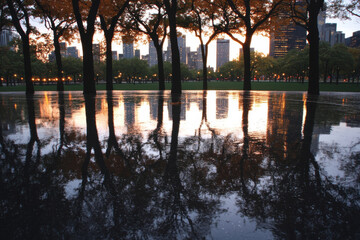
<point>326,72</point>
<point>88,66</point>
<point>60,85</point>
<point>159,48</point>
<point>27,65</point>
<point>247,64</point>
<point>204,51</point>
<point>109,62</point>
<point>176,72</point>
<point>313,38</point>
<point>86,36</point>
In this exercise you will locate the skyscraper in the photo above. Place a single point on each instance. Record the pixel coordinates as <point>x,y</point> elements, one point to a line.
<point>63,51</point>
<point>72,52</point>
<point>222,52</point>
<point>354,41</point>
<point>329,34</point>
<point>128,49</point>
<point>152,54</point>
<point>96,52</point>
<point>286,36</point>
<point>137,53</point>
<point>114,55</point>
<point>182,50</point>
<point>5,37</point>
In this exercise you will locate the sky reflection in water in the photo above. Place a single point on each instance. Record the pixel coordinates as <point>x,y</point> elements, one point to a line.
<point>220,165</point>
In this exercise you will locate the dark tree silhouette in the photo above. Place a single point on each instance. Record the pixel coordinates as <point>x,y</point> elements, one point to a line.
<point>171,7</point>
<point>59,20</point>
<point>112,141</point>
<point>253,16</point>
<point>61,104</point>
<point>92,138</point>
<point>155,27</point>
<point>306,14</point>
<point>86,34</point>
<point>108,25</point>
<point>20,11</point>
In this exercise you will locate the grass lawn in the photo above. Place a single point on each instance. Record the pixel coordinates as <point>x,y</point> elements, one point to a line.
<point>219,85</point>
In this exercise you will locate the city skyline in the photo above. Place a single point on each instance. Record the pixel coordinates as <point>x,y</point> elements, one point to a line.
<point>260,43</point>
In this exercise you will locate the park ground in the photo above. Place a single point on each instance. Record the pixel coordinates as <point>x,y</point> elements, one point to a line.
<point>219,85</point>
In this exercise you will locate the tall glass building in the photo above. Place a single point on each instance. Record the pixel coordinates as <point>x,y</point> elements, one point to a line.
<point>222,52</point>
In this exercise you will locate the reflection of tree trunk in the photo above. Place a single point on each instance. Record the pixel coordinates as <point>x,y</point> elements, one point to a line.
<point>33,131</point>
<point>112,142</point>
<point>61,122</point>
<point>311,103</point>
<point>245,128</point>
<point>172,173</point>
<point>157,132</point>
<point>93,138</point>
<point>307,156</point>
<point>204,113</point>
<point>2,142</point>
<point>160,113</point>
<point>28,200</point>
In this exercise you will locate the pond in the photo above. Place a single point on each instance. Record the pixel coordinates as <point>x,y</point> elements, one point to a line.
<point>216,165</point>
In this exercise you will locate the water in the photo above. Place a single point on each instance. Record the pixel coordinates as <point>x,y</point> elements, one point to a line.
<point>220,165</point>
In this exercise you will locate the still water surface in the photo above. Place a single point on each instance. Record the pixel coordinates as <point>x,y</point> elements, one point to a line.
<point>220,165</point>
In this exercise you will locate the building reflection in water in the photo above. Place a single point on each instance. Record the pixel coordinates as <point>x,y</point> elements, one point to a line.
<point>212,165</point>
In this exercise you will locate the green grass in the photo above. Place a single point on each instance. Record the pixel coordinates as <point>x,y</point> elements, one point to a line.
<point>261,86</point>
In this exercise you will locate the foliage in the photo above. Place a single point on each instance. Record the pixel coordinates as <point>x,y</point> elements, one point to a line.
<point>72,66</point>
<point>344,9</point>
<point>131,68</point>
<point>5,21</point>
<point>10,63</point>
<point>231,70</point>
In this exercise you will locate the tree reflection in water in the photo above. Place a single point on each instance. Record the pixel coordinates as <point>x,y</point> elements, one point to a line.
<point>299,201</point>
<point>130,186</point>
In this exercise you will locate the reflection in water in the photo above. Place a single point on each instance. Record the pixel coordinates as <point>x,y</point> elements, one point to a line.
<point>61,122</point>
<point>235,164</point>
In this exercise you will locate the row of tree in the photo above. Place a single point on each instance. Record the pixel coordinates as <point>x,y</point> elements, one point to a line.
<point>154,18</point>
<point>336,63</point>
